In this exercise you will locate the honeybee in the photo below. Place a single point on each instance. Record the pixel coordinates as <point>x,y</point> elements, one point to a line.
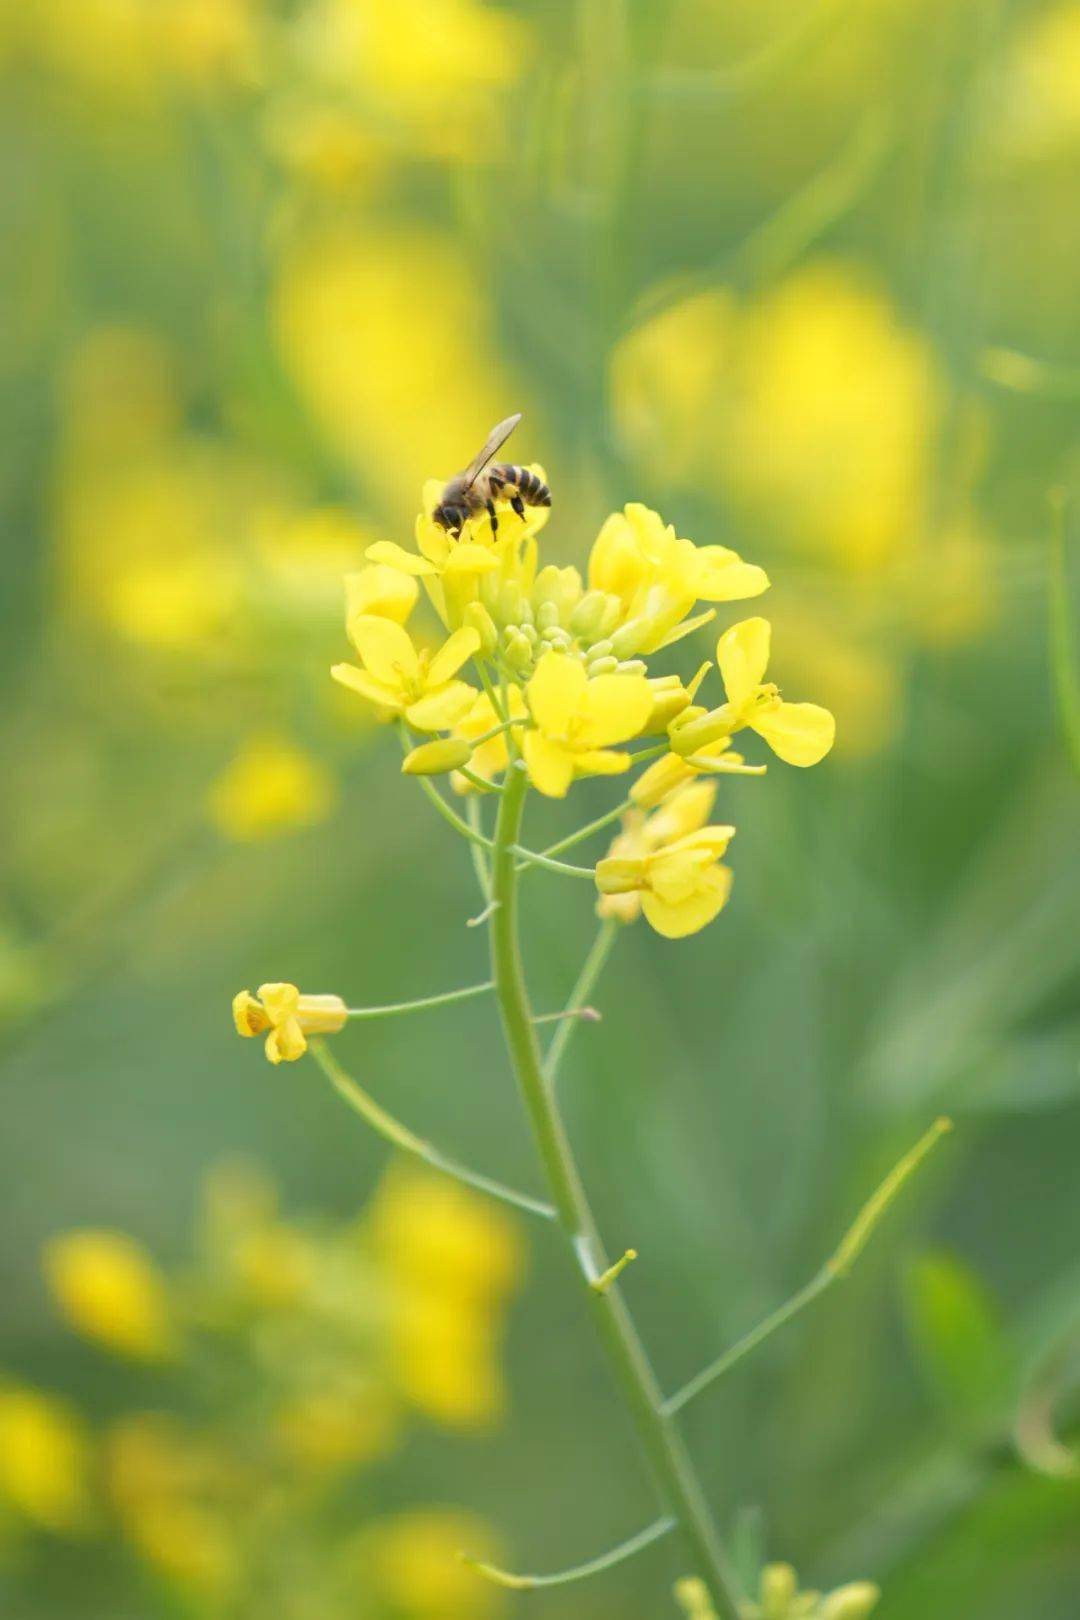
<point>480,485</point>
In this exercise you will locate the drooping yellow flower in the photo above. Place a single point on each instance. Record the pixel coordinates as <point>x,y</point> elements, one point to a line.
<point>270,787</point>
<point>658,578</point>
<point>110,1291</point>
<point>399,680</point>
<point>798,733</point>
<point>288,1016</point>
<point>682,812</point>
<point>578,720</point>
<point>44,1459</point>
<point>672,861</point>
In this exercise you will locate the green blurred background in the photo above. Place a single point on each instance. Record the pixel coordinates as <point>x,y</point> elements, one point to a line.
<point>804,279</point>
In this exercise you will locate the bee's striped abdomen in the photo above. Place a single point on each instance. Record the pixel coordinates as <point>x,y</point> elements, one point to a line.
<point>533,490</point>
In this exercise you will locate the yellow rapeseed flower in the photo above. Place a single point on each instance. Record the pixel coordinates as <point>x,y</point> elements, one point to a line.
<point>270,787</point>
<point>682,812</point>
<point>658,578</point>
<point>110,1291</point>
<point>577,721</point>
<point>399,680</point>
<point>491,758</point>
<point>673,865</point>
<point>798,733</point>
<point>44,1459</point>
<point>665,775</point>
<point>286,1018</point>
<point>387,593</point>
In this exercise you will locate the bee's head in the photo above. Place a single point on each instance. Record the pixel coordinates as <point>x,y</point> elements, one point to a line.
<point>449,516</point>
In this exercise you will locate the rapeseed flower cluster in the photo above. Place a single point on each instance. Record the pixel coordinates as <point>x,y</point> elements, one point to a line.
<point>542,668</point>
<point>295,1356</point>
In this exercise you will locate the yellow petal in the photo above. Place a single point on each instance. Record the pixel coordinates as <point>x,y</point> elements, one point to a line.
<point>396,557</point>
<point>687,810</point>
<point>286,1043</point>
<point>798,733</point>
<point>358,680</point>
<point>554,692</point>
<point>280,1001</point>
<point>550,766</point>
<point>455,651</point>
<point>743,656</point>
<point>687,916</point>
<point>435,758</point>
<point>249,1016</point>
<point>726,578</point>
<point>612,709</point>
<point>386,649</point>
<point>442,708</point>
<point>386,592</point>
<point>466,558</point>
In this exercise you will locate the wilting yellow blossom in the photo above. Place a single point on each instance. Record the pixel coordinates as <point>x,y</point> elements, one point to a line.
<point>399,680</point>
<point>270,787</point>
<point>657,577</point>
<point>288,1016</point>
<point>672,862</point>
<point>798,733</point>
<point>44,1459</point>
<point>110,1290</point>
<point>578,719</point>
<point>683,811</point>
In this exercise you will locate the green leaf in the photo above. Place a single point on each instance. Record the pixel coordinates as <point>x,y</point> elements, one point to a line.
<point>957,1337</point>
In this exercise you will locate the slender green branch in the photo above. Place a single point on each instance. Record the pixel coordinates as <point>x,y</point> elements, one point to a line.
<point>480,783</point>
<point>669,1461</point>
<point>584,832</point>
<point>445,998</point>
<point>578,1572</point>
<point>838,1265</point>
<point>1064,653</point>
<point>451,816</point>
<point>532,858</point>
<point>479,860</point>
<point>579,996</point>
<point>392,1131</point>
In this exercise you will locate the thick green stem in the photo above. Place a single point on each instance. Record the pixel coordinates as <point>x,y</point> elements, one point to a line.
<point>670,1463</point>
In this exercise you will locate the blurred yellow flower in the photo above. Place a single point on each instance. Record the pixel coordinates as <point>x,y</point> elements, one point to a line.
<point>578,719</point>
<point>450,1260</point>
<point>44,1459</point>
<point>109,1290</point>
<point>163,1483</point>
<point>373,325</point>
<point>332,1429</point>
<point>399,680</point>
<point>1040,93</point>
<point>270,787</point>
<point>288,1016</point>
<point>414,1564</point>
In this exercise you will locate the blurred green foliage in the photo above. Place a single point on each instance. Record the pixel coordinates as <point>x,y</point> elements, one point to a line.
<point>804,280</point>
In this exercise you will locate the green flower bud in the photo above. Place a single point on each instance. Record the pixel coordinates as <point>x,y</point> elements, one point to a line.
<point>688,735</point>
<point>779,1586</point>
<point>477,618</point>
<point>601,649</point>
<point>670,698</point>
<point>629,638</point>
<point>547,616</point>
<point>511,601</point>
<point>853,1602</point>
<point>437,757</point>
<point>602,666</point>
<point>586,618</point>
<point>632,666</point>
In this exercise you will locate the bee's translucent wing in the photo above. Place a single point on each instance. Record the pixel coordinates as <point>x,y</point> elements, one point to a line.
<point>493,444</point>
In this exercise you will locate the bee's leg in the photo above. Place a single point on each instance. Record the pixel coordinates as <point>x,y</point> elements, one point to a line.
<point>493,515</point>
<point>518,504</point>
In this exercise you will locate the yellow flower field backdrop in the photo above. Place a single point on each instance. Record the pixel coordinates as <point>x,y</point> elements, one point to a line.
<point>797,281</point>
